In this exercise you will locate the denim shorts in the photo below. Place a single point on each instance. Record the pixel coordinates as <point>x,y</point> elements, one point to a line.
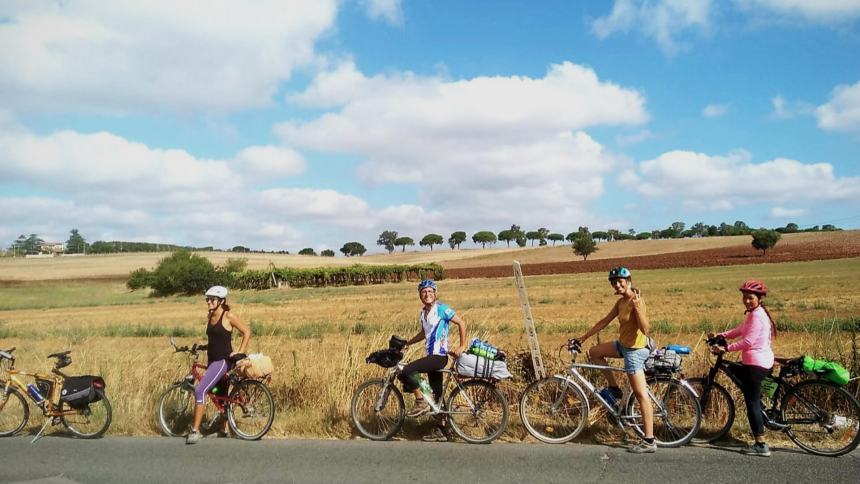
<point>634,358</point>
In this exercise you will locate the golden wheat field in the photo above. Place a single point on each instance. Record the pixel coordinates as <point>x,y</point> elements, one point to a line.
<point>318,337</point>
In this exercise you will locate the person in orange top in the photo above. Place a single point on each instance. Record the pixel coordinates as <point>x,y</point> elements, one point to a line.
<point>632,345</point>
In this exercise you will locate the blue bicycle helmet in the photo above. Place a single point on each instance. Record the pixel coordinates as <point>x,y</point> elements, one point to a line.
<point>619,273</point>
<point>426,283</point>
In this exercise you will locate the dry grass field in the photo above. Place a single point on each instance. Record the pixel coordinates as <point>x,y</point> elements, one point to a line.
<point>318,338</point>
<point>118,266</point>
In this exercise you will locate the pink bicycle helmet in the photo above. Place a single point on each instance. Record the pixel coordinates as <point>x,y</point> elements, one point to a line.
<point>755,287</point>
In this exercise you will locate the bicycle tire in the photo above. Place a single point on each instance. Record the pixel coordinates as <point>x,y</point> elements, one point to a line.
<point>379,424</point>
<point>553,410</point>
<point>677,414</point>
<point>13,420</point>
<point>176,410</point>
<point>257,407</point>
<point>90,422</point>
<point>835,418</point>
<point>478,412</point>
<point>718,411</point>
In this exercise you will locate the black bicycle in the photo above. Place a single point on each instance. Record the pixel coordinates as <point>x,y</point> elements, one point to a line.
<point>821,417</point>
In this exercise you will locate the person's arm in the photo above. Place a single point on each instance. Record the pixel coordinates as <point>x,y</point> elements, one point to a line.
<point>613,313</point>
<point>418,337</point>
<point>244,329</point>
<point>641,313</point>
<point>461,327</point>
<point>753,333</point>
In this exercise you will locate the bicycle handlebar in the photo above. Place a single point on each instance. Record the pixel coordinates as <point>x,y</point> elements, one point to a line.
<point>718,340</point>
<point>185,349</point>
<point>7,354</point>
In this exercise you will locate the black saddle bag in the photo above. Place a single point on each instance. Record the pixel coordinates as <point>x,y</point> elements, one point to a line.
<point>80,391</point>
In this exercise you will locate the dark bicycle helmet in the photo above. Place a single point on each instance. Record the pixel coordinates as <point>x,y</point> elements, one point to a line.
<point>425,284</point>
<point>619,273</point>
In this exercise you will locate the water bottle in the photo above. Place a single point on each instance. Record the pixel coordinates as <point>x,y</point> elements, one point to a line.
<point>34,393</point>
<point>681,350</point>
<point>768,387</point>
<point>424,387</point>
<point>607,395</point>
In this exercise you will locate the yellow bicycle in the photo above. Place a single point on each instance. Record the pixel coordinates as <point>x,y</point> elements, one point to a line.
<point>77,402</point>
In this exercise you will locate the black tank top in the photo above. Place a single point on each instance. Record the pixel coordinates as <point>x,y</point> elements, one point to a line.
<point>220,340</point>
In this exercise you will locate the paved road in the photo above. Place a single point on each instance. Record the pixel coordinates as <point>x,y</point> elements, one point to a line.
<point>59,460</point>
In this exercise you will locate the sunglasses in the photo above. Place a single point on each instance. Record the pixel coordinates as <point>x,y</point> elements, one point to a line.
<point>212,299</point>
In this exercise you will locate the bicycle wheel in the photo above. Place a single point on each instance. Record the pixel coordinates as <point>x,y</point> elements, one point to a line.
<point>478,412</point>
<point>89,422</point>
<point>14,412</point>
<point>553,410</point>
<point>677,414</point>
<point>251,410</point>
<point>718,411</point>
<point>176,410</point>
<point>823,418</point>
<point>377,409</point>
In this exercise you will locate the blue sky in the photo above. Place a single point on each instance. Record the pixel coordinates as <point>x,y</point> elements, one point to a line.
<point>291,124</point>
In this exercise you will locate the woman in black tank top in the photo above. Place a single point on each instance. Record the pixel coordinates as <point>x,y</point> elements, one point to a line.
<point>219,333</point>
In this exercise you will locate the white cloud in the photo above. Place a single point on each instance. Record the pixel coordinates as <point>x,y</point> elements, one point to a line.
<point>484,142</point>
<point>154,56</point>
<point>389,10</point>
<point>819,11</point>
<point>663,20</point>
<point>842,112</point>
<point>634,138</point>
<point>715,110</point>
<point>271,161</point>
<point>711,182</point>
<point>782,212</point>
<point>784,109</point>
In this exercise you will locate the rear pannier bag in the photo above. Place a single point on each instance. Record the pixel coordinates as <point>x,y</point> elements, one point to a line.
<point>663,361</point>
<point>80,391</point>
<point>475,366</point>
<point>256,366</point>
<point>828,370</point>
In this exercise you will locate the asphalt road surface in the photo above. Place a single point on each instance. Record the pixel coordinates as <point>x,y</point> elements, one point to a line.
<point>60,460</point>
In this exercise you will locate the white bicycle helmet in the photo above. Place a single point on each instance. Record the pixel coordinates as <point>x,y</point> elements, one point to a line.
<point>217,291</point>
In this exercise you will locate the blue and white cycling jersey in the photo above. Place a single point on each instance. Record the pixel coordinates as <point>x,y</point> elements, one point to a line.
<point>436,328</point>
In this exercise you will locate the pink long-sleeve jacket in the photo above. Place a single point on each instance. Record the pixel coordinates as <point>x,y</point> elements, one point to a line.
<point>755,339</point>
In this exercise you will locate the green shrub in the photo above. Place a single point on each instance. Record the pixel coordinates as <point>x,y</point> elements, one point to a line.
<point>182,273</point>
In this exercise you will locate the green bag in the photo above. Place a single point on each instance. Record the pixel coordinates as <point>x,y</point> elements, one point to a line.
<point>829,370</point>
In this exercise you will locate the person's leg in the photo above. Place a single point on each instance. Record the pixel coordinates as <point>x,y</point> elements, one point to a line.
<point>428,364</point>
<point>751,387</point>
<point>213,375</point>
<point>634,367</point>
<point>640,390</point>
<point>598,354</point>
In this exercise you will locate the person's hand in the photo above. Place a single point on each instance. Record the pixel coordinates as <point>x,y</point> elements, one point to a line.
<point>637,300</point>
<point>712,335</point>
<point>717,349</point>
<point>457,351</point>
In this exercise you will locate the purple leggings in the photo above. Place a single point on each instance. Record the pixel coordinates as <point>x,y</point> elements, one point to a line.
<point>214,372</point>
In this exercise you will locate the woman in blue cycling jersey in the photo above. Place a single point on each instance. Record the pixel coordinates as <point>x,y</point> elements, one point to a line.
<point>632,345</point>
<point>435,319</point>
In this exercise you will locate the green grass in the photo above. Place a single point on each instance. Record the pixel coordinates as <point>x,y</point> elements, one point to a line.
<point>60,294</point>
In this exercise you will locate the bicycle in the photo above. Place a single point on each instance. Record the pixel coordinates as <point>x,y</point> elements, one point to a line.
<point>78,403</point>
<point>822,418</point>
<point>475,408</point>
<point>555,409</point>
<point>249,407</point>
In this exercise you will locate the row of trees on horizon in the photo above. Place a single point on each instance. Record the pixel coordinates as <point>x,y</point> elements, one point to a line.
<point>391,239</point>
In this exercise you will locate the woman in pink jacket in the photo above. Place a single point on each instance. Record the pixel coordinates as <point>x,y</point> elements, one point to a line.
<point>754,338</point>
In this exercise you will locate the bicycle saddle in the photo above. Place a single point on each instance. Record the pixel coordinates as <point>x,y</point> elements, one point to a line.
<point>59,355</point>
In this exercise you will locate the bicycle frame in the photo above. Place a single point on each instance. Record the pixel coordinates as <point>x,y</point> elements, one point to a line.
<point>50,403</point>
<point>438,407</point>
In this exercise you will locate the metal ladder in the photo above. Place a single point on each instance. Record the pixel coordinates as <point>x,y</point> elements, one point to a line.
<point>528,322</point>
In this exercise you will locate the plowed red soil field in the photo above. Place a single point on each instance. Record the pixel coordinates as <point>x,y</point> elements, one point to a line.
<point>840,246</point>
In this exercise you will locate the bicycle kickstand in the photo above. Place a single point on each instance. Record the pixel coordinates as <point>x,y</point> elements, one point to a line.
<point>41,431</point>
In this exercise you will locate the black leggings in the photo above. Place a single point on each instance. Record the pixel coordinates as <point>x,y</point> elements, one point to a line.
<point>430,365</point>
<point>751,378</point>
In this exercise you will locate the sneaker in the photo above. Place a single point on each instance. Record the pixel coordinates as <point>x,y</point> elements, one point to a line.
<point>760,450</point>
<point>421,407</point>
<point>643,448</point>
<point>437,435</point>
<point>193,437</point>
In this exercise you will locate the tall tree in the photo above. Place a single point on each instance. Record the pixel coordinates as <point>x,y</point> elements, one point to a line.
<point>76,243</point>
<point>327,253</point>
<point>456,239</point>
<point>386,239</point>
<point>677,228</point>
<point>507,236</point>
<point>350,249</point>
<point>533,235</point>
<point>307,251</point>
<point>431,240</point>
<point>555,238</point>
<point>764,239</point>
<point>613,234</point>
<point>584,245</point>
<point>403,242</point>
<point>484,237</point>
